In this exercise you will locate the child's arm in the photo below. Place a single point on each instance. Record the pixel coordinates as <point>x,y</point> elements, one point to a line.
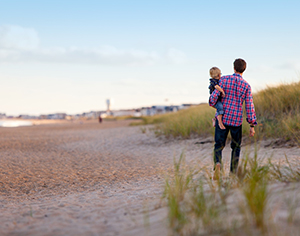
<point>217,87</point>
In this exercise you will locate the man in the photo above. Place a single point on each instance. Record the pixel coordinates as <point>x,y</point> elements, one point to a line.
<point>237,90</point>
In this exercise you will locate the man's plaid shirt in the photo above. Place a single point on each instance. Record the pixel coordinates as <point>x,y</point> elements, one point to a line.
<point>237,90</point>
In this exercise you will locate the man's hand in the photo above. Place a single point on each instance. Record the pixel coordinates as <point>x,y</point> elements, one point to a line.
<point>223,94</point>
<point>252,131</point>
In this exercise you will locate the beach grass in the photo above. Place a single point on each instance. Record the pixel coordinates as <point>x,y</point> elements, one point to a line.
<point>115,118</point>
<point>234,204</point>
<point>185,123</point>
<point>277,109</point>
<point>175,191</point>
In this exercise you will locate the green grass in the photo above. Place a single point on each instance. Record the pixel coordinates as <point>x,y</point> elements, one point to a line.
<point>184,123</point>
<point>254,188</point>
<point>115,118</point>
<point>149,120</point>
<point>197,205</point>
<point>175,192</point>
<point>285,173</point>
<point>277,109</point>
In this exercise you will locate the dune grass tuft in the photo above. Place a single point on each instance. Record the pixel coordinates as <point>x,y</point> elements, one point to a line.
<point>278,110</point>
<point>197,205</point>
<point>175,192</point>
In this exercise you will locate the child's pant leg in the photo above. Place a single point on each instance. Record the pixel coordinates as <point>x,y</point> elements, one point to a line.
<point>219,107</point>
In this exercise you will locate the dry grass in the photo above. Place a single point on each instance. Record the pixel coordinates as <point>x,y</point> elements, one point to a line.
<point>197,205</point>
<point>277,109</point>
<point>184,123</point>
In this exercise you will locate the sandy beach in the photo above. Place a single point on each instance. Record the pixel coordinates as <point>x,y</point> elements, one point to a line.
<point>94,179</point>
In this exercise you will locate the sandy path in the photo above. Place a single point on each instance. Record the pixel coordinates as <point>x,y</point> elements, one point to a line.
<point>91,179</point>
<point>74,179</point>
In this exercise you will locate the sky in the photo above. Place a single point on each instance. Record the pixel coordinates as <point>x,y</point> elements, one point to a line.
<point>70,56</point>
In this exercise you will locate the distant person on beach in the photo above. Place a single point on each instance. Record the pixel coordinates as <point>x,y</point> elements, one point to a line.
<point>237,91</point>
<point>215,74</point>
<point>100,119</point>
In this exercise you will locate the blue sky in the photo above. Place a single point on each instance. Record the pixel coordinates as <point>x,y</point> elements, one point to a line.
<point>70,56</point>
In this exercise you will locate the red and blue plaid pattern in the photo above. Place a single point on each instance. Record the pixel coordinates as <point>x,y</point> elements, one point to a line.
<point>237,91</point>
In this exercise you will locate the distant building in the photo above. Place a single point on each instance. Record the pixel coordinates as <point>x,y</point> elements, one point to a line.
<point>187,105</point>
<point>42,117</point>
<point>144,111</point>
<point>147,111</point>
<point>56,116</point>
<point>155,110</point>
<point>130,112</point>
<point>26,117</point>
<point>2,116</point>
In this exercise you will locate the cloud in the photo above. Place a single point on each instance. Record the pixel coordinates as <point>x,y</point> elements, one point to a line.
<point>104,56</point>
<point>290,65</point>
<point>18,44</point>
<point>176,56</point>
<point>18,38</point>
<point>101,56</point>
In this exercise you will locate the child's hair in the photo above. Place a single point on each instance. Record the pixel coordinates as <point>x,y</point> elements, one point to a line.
<point>214,72</point>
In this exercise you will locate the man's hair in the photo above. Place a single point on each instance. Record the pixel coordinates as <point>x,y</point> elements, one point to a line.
<point>214,72</point>
<point>239,65</point>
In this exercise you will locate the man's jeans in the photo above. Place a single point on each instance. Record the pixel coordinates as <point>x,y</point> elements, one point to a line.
<point>220,141</point>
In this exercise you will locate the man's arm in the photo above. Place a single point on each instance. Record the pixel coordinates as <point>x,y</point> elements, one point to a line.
<point>251,116</point>
<point>214,97</point>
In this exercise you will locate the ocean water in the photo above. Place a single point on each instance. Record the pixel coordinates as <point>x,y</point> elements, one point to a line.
<point>14,123</point>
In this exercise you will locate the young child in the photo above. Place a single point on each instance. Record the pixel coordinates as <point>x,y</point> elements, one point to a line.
<point>215,74</point>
